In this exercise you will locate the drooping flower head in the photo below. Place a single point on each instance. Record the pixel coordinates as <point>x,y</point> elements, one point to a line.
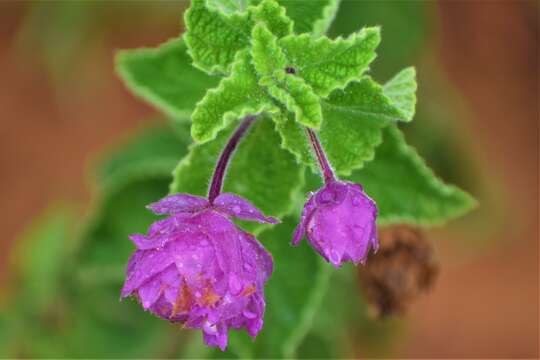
<point>196,267</point>
<point>339,222</point>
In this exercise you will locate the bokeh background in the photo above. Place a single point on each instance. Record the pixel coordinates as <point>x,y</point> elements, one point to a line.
<point>62,108</point>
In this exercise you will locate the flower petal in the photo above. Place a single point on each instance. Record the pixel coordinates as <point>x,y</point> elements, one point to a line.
<point>215,335</point>
<point>149,263</point>
<point>163,231</point>
<point>178,203</point>
<point>302,225</point>
<point>235,205</point>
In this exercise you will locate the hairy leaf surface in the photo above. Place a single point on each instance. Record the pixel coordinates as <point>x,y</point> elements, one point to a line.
<point>351,129</point>
<point>327,64</point>
<point>313,16</point>
<point>405,188</point>
<point>401,89</point>
<point>164,77</point>
<point>212,38</point>
<point>236,96</point>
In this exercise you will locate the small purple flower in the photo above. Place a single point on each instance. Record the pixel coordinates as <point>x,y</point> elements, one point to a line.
<point>197,268</point>
<point>339,222</point>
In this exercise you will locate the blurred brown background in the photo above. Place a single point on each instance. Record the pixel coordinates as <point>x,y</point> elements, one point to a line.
<point>59,112</point>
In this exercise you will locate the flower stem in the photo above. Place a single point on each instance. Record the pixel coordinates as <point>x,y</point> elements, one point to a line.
<point>326,169</point>
<point>224,158</point>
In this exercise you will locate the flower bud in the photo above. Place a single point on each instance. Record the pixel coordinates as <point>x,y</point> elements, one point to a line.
<point>339,222</point>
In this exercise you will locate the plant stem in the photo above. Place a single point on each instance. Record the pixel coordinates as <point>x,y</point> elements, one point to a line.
<point>224,158</point>
<point>326,169</point>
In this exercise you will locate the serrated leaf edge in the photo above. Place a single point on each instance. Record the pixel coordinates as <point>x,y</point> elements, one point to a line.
<point>469,202</point>
<point>215,69</point>
<point>351,40</point>
<point>321,25</point>
<point>407,70</point>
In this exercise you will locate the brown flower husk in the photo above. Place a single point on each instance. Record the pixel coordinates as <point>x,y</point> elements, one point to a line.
<point>404,267</point>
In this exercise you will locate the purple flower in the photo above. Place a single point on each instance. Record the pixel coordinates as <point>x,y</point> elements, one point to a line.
<point>339,222</point>
<point>197,268</point>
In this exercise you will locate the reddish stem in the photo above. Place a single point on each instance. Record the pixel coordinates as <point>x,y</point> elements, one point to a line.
<point>326,169</point>
<point>224,158</point>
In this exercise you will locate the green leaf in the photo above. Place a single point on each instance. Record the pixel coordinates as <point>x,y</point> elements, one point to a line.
<point>213,39</point>
<point>164,77</point>
<point>270,188</point>
<point>314,16</point>
<point>405,189</point>
<point>398,47</point>
<point>401,89</point>
<point>327,64</point>
<point>268,59</point>
<point>293,138</point>
<point>299,98</point>
<point>351,130</point>
<point>236,96</point>
<point>227,7</point>
<point>292,92</point>
<point>274,17</point>
<point>154,151</point>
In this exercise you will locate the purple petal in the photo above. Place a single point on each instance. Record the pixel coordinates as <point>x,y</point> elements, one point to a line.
<point>236,206</point>
<point>256,258</point>
<point>149,292</point>
<point>174,204</point>
<point>215,335</point>
<point>163,231</point>
<point>302,225</point>
<point>299,233</point>
<point>150,263</point>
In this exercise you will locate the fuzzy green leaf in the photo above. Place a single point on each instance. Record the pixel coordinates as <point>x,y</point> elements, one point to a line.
<point>291,91</point>
<point>314,16</point>
<point>228,7</point>
<point>401,89</point>
<point>274,17</point>
<point>164,77</point>
<point>213,39</point>
<point>237,95</point>
<point>351,130</point>
<point>270,188</point>
<point>405,189</point>
<point>298,97</point>
<point>327,64</point>
<point>268,59</point>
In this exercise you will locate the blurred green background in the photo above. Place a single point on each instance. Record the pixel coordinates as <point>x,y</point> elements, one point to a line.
<point>70,132</point>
